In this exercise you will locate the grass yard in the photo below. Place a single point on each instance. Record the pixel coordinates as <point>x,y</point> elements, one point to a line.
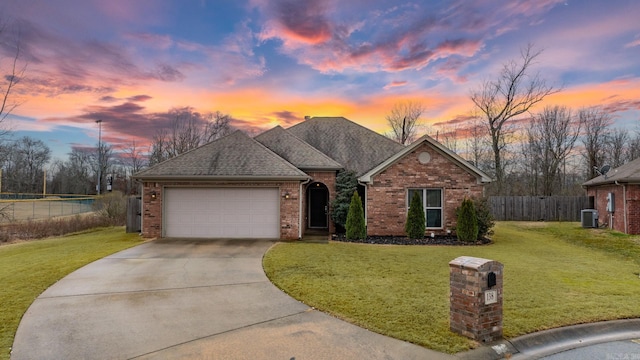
<point>29,268</point>
<point>555,274</point>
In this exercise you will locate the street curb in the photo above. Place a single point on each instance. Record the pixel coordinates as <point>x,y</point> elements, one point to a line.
<point>548,342</point>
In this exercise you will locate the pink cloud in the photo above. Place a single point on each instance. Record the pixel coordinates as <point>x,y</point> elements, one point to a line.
<point>451,69</point>
<point>146,11</point>
<point>304,21</point>
<point>396,83</point>
<point>621,105</point>
<point>633,43</point>
<point>161,42</point>
<point>329,38</point>
<point>288,118</point>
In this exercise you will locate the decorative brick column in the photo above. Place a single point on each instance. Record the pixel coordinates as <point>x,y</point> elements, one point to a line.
<point>476,298</point>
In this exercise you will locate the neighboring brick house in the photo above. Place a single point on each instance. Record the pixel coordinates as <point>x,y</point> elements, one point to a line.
<point>280,184</point>
<point>616,196</point>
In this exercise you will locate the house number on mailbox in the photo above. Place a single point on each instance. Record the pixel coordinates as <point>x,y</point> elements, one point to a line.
<point>490,297</point>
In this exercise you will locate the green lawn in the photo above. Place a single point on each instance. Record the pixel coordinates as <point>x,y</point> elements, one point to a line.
<point>555,274</point>
<point>29,268</point>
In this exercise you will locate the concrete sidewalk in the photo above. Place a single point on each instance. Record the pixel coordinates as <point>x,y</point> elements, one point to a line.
<point>189,299</point>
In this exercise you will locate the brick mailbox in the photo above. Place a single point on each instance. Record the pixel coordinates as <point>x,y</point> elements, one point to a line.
<point>476,298</point>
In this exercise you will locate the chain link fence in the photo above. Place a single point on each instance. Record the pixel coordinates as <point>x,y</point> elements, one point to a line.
<point>19,207</point>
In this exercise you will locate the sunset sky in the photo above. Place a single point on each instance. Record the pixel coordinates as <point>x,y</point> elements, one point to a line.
<point>271,62</point>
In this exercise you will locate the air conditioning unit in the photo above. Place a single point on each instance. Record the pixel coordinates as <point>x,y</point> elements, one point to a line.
<point>589,218</point>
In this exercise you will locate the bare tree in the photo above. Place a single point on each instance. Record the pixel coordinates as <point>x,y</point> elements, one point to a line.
<point>158,148</point>
<point>133,157</point>
<point>512,93</point>
<point>189,130</point>
<point>633,150</point>
<point>133,160</point>
<point>25,165</point>
<point>551,137</point>
<point>404,120</point>
<point>11,71</point>
<point>476,144</point>
<point>77,171</point>
<point>218,125</point>
<point>595,123</point>
<point>102,160</point>
<point>448,136</point>
<point>617,142</point>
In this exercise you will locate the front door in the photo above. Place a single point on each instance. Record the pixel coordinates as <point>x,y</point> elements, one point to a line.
<point>318,206</point>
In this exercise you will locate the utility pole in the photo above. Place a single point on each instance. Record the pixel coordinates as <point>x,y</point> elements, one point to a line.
<point>99,153</point>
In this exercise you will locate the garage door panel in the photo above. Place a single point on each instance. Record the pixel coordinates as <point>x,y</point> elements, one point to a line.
<point>222,212</point>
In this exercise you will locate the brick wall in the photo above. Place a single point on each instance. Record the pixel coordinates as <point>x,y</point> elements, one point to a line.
<point>152,208</point>
<point>289,210</point>
<point>617,218</point>
<point>387,196</point>
<point>633,209</point>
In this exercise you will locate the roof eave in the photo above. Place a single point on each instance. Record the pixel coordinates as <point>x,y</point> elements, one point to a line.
<point>631,181</point>
<point>220,178</point>
<point>320,168</point>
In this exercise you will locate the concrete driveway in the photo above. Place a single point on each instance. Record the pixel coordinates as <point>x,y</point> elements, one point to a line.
<point>189,299</point>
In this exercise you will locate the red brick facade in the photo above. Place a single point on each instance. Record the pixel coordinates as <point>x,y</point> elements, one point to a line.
<point>387,195</point>
<point>616,219</point>
<point>289,205</point>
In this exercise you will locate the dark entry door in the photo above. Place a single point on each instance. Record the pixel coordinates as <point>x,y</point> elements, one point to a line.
<point>318,207</point>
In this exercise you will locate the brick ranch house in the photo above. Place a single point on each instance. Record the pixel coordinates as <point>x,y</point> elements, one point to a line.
<point>280,184</point>
<point>623,185</point>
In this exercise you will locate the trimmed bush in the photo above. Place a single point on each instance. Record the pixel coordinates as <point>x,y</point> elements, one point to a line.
<point>355,226</point>
<point>416,220</point>
<point>485,219</point>
<point>467,228</point>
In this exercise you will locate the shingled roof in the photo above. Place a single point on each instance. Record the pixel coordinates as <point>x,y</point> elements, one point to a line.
<point>234,157</point>
<point>296,151</point>
<point>627,173</point>
<point>355,147</point>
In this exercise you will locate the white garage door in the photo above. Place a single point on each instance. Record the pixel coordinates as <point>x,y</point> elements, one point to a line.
<point>222,212</point>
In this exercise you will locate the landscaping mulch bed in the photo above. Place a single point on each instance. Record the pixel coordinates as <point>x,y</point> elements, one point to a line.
<point>403,240</point>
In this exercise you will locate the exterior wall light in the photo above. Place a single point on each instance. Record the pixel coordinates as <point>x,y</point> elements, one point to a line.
<point>153,195</point>
<point>286,195</point>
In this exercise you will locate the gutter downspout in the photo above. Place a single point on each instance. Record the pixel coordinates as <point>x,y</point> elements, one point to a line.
<point>624,205</point>
<point>302,184</point>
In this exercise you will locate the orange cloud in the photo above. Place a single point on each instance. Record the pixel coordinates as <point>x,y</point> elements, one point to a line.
<point>608,94</point>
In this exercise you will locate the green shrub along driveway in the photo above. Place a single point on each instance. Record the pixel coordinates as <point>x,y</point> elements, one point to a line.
<point>555,274</point>
<point>29,268</point>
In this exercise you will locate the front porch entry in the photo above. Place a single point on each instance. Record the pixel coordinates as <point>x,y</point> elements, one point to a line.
<point>318,206</point>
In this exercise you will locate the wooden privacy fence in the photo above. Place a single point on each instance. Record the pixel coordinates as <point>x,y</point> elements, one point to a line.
<point>538,208</point>
<point>134,210</point>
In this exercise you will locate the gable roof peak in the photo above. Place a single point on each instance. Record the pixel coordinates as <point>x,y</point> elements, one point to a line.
<point>481,175</point>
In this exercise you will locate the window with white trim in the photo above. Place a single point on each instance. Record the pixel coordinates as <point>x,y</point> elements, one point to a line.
<point>432,203</point>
